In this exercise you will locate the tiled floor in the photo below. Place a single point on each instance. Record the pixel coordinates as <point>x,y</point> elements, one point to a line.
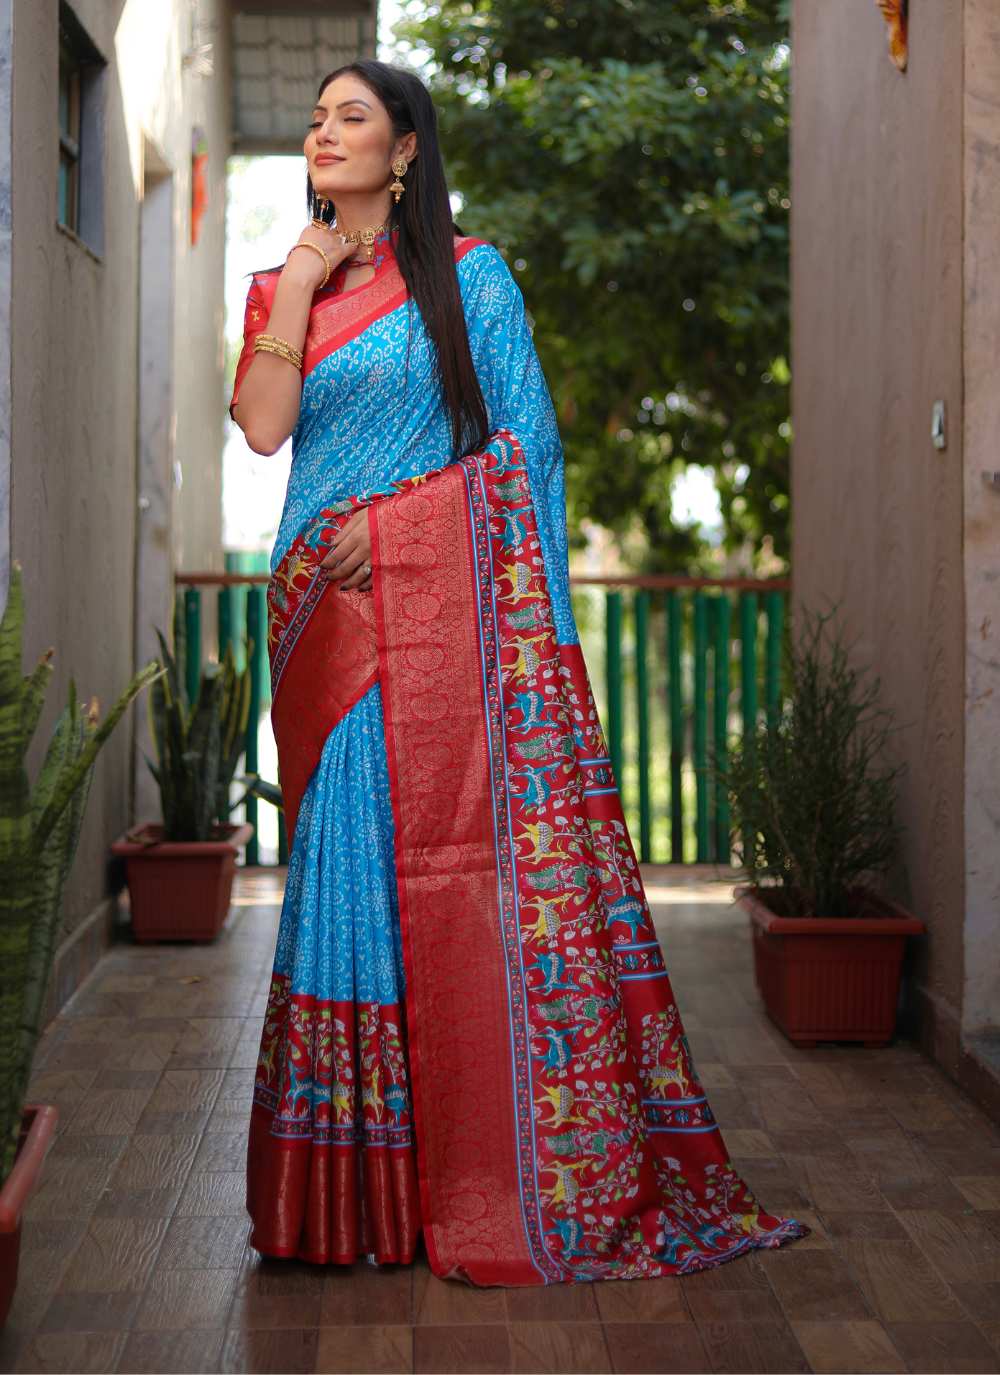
<point>135,1255</point>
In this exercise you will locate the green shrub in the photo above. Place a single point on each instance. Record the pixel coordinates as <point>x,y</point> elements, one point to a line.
<point>812,795</point>
<point>39,830</point>
<point>198,744</point>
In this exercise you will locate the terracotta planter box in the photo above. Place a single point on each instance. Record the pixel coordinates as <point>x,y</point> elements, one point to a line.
<point>830,979</point>
<point>180,890</point>
<point>37,1129</point>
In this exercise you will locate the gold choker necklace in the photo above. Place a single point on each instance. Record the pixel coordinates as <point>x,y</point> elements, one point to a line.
<point>365,237</point>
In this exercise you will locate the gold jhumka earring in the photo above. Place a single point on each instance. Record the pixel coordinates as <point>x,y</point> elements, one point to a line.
<point>317,220</point>
<point>399,169</point>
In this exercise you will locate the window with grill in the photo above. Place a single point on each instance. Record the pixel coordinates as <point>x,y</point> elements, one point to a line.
<point>81,131</point>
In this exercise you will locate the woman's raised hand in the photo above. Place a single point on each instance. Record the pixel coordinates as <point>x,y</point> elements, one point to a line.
<point>307,267</point>
<point>349,561</point>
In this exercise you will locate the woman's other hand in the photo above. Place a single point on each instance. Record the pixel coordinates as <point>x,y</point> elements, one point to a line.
<point>349,561</point>
<point>268,408</point>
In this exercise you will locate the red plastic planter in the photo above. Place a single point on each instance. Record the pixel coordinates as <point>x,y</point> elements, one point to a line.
<point>826,979</point>
<point>180,890</point>
<point>38,1126</point>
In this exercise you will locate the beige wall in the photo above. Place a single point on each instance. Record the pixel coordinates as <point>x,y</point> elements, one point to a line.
<point>163,112</point>
<point>877,292</point>
<point>74,358</point>
<point>981,162</point>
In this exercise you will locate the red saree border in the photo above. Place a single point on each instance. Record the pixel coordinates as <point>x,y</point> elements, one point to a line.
<point>544,1034</point>
<point>316,677</point>
<point>447,865</point>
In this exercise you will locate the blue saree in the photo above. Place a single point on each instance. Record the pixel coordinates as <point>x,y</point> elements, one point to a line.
<point>426,947</point>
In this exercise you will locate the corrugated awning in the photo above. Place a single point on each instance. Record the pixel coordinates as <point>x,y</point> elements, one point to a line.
<point>282,49</point>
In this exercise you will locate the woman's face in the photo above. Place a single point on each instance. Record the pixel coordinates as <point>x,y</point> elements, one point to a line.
<point>350,144</point>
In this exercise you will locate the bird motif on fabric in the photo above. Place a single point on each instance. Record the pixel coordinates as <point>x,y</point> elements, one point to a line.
<point>559,1011</point>
<point>529,618</point>
<point>589,1143</point>
<point>516,489</point>
<point>549,878</point>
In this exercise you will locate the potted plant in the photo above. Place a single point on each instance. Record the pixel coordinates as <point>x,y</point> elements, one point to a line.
<point>813,801</point>
<point>39,830</point>
<point>180,873</point>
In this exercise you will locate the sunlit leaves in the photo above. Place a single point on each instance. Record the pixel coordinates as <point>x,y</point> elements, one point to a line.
<point>630,159</point>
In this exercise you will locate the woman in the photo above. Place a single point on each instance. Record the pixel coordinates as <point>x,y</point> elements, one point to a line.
<point>470,1030</point>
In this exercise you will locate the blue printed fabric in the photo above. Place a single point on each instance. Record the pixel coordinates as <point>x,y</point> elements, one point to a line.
<point>339,935</point>
<point>372,414</point>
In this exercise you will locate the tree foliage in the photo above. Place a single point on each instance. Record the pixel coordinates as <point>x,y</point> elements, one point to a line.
<point>630,159</point>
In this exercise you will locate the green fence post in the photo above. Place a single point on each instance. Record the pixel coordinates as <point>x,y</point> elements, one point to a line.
<point>225,613</point>
<point>255,621</point>
<point>748,660</point>
<point>720,704</point>
<point>226,638</point>
<point>642,712</point>
<point>676,727</point>
<point>701,722</point>
<point>775,603</point>
<point>192,637</point>
<point>613,661</point>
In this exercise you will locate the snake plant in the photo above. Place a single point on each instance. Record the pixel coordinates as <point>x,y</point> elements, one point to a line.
<point>39,830</point>
<point>198,744</point>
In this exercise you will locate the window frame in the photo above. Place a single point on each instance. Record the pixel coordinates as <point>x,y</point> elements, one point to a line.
<point>80,193</point>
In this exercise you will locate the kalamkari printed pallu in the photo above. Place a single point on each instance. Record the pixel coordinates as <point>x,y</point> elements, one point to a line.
<point>532,1105</point>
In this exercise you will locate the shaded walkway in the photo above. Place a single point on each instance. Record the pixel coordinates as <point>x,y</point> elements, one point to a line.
<point>135,1255</point>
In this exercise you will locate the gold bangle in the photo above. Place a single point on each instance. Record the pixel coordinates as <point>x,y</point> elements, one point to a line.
<point>270,343</point>
<point>306,244</point>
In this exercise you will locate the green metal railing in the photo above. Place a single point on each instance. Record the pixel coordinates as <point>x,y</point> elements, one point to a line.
<point>671,661</point>
<point>669,645</point>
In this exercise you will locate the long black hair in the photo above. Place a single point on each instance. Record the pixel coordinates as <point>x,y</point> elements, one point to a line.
<point>422,232</point>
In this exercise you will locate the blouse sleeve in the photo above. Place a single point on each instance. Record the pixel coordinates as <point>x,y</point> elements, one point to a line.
<point>258,310</point>
<point>518,400</point>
